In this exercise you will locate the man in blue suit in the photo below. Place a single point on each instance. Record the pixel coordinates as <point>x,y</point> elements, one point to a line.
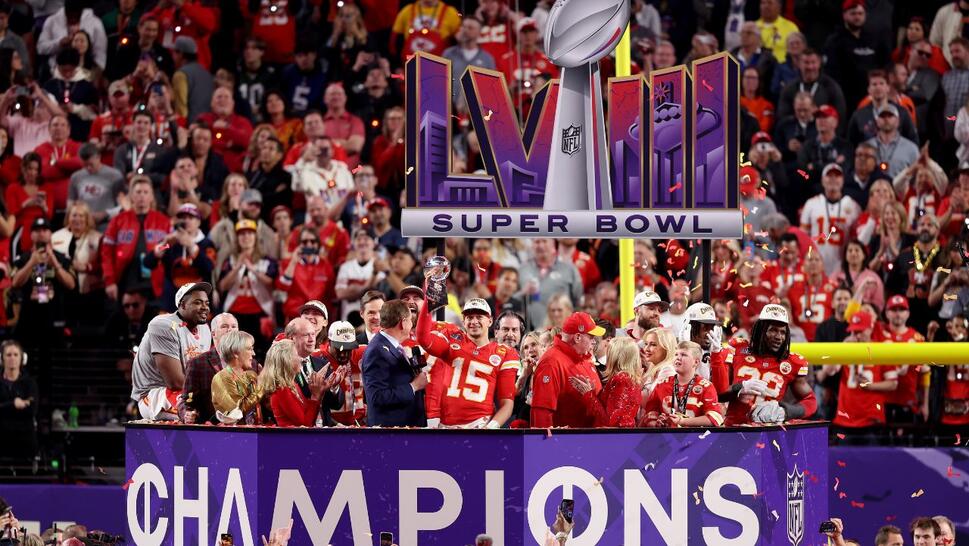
<point>395,396</point>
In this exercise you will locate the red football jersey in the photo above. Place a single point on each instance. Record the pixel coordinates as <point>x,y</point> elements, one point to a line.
<point>908,376</point>
<point>354,409</point>
<point>439,374</point>
<point>745,365</point>
<point>810,305</point>
<point>479,376</point>
<point>701,400</point>
<point>782,278</point>
<point>858,407</point>
<point>955,403</point>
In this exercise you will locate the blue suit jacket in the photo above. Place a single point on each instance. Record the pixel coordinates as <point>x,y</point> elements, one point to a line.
<point>391,402</point>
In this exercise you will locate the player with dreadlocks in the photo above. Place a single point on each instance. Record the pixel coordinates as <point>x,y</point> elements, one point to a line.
<point>763,369</point>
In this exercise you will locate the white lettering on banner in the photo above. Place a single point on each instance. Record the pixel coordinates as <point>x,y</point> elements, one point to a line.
<point>191,508</point>
<point>146,476</point>
<point>747,518</point>
<point>412,521</point>
<point>235,497</point>
<point>637,494</point>
<point>347,495</point>
<point>568,477</point>
<point>495,505</point>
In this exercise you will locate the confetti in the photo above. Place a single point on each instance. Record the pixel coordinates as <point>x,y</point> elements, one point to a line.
<point>803,174</point>
<point>356,169</point>
<point>397,76</point>
<point>696,497</point>
<point>548,433</point>
<point>841,464</point>
<point>958,439</point>
<point>774,513</point>
<point>837,482</point>
<point>707,86</point>
<point>950,297</point>
<point>842,495</point>
<point>599,481</point>
<point>840,436</point>
<point>488,117</point>
<point>776,445</point>
<point>649,466</point>
<point>126,484</point>
<point>704,435</point>
<point>760,445</point>
<point>952,474</point>
<point>409,170</point>
<point>918,493</point>
<point>950,118</point>
<point>676,186</point>
<point>746,284</point>
<point>857,504</point>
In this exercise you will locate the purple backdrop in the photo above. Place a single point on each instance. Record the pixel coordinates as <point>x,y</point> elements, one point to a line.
<point>344,485</point>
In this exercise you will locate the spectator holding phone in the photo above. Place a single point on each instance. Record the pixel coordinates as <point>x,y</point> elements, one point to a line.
<point>26,200</point>
<point>186,255</point>
<point>307,275</point>
<point>43,278</point>
<point>316,173</point>
<point>26,111</point>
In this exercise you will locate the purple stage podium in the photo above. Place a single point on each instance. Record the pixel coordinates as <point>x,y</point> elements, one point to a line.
<point>765,485</point>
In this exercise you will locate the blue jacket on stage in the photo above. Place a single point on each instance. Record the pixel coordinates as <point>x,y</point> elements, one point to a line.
<point>391,401</point>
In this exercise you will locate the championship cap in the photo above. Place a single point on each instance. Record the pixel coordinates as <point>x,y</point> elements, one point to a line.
<point>476,305</point>
<point>647,297</point>
<point>702,313</point>
<point>774,312</point>
<point>342,336</point>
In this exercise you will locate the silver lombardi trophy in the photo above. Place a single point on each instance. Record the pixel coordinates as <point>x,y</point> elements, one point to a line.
<point>577,35</point>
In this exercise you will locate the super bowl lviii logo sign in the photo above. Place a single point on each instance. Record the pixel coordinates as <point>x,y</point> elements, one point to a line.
<point>657,158</point>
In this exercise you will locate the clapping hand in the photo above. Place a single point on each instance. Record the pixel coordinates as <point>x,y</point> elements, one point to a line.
<point>581,384</point>
<point>317,382</point>
<point>279,537</point>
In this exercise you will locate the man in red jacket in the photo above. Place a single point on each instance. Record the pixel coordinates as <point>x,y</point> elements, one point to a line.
<point>230,132</point>
<point>555,403</point>
<point>130,236</point>
<point>307,275</point>
<point>187,18</point>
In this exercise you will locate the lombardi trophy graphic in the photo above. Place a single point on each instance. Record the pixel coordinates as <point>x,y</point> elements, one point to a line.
<point>577,35</point>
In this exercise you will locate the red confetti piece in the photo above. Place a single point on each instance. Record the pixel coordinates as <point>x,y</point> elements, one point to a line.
<point>950,118</point>
<point>397,76</point>
<point>842,464</point>
<point>890,518</point>
<point>760,445</point>
<point>163,246</point>
<point>676,186</point>
<point>958,439</point>
<point>803,174</point>
<point>356,169</point>
<point>842,495</point>
<point>840,436</point>
<point>952,474</point>
<point>857,504</point>
<point>126,484</point>
<point>707,86</point>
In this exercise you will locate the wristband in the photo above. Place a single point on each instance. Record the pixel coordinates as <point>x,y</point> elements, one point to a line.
<point>561,536</point>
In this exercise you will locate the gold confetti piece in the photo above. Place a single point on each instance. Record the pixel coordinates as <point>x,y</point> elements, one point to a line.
<point>409,170</point>
<point>696,497</point>
<point>488,117</point>
<point>878,407</point>
<point>599,482</point>
<point>825,357</point>
<point>695,261</point>
<point>950,297</point>
<point>697,287</point>
<point>918,493</point>
<point>746,284</point>
<point>776,445</point>
<point>943,270</point>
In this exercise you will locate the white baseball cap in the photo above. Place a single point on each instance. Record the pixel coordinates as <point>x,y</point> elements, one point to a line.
<point>702,313</point>
<point>476,305</point>
<point>342,336</point>
<point>317,305</point>
<point>774,312</point>
<point>191,287</point>
<point>647,297</point>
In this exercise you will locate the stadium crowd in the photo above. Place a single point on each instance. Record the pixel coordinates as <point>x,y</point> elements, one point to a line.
<point>216,187</point>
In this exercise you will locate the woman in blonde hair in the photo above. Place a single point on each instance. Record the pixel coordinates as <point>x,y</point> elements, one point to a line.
<point>82,232</point>
<point>278,382</point>
<point>234,388</point>
<point>621,395</point>
<point>658,352</point>
<point>558,309</point>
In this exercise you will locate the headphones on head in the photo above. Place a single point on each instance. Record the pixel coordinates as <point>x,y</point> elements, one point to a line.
<point>509,313</point>
<point>15,343</point>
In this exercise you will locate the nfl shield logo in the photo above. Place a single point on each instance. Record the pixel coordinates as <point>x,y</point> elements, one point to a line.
<point>795,506</point>
<point>571,139</point>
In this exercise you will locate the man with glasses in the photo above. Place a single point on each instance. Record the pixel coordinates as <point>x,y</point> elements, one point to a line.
<point>306,276</point>
<point>923,82</point>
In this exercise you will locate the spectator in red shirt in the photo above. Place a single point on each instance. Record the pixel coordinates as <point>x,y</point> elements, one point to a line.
<point>187,18</point>
<point>387,152</point>
<point>273,22</point>
<point>230,132</point>
<point>554,401</point>
<point>307,275</point>
<point>344,128</point>
<point>524,67</point>
<point>334,239</point>
<point>59,160</point>
<point>108,129</point>
<point>25,199</point>
<point>246,281</point>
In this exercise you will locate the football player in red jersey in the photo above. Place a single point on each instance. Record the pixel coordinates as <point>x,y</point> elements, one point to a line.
<point>902,404</point>
<point>437,376</point>
<point>763,369</point>
<point>684,399</point>
<point>861,400</point>
<point>480,371</point>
